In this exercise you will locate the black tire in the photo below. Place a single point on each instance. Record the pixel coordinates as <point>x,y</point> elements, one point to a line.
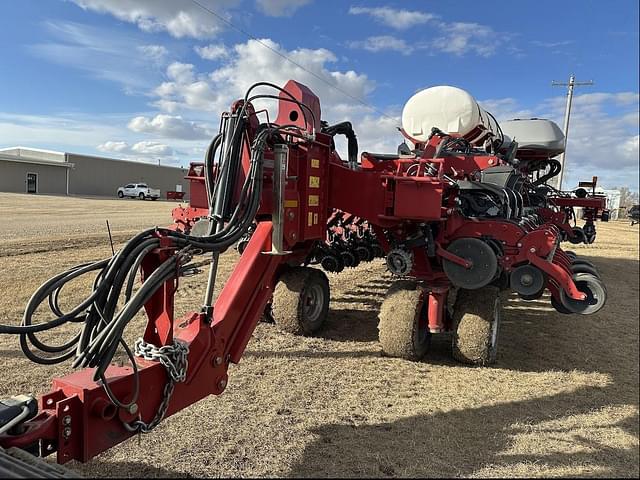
<point>559,307</point>
<point>583,261</point>
<point>578,236</point>
<point>120,195</point>
<point>141,196</point>
<point>301,301</point>
<point>584,268</point>
<point>476,317</point>
<point>403,327</point>
<point>593,288</point>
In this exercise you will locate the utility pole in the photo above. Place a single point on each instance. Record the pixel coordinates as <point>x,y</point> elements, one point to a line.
<point>572,83</point>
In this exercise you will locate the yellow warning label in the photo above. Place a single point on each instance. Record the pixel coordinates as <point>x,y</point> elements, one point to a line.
<point>315,218</point>
<point>291,204</point>
<point>310,222</point>
<point>314,200</point>
<point>315,163</point>
<point>314,182</point>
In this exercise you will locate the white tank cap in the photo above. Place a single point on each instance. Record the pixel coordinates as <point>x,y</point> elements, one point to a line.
<point>452,110</point>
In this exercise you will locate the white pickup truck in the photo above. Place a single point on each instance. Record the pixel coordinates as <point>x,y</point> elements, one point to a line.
<point>138,190</point>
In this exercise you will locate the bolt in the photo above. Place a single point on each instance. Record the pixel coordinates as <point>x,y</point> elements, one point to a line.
<point>66,420</point>
<point>291,215</point>
<point>66,433</point>
<point>222,384</point>
<point>532,250</point>
<point>217,361</point>
<point>133,408</point>
<point>294,235</point>
<point>519,245</point>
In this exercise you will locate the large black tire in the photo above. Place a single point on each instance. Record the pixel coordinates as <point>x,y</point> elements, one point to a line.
<point>403,327</point>
<point>301,301</point>
<point>120,195</point>
<point>141,196</point>
<point>476,317</point>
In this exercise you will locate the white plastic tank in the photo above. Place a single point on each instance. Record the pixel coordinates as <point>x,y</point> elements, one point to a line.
<point>452,110</point>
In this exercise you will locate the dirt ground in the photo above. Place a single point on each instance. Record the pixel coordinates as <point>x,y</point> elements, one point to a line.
<point>561,401</point>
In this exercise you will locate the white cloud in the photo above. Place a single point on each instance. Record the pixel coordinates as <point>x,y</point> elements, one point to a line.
<point>113,147</point>
<point>102,53</point>
<point>457,38</point>
<point>180,18</point>
<point>212,52</point>
<point>146,149</point>
<point>167,126</point>
<point>461,38</point>
<point>399,19</point>
<point>154,149</point>
<point>156,53</point>
<point>505,108</point>
<point>547,44</point>
<point>59,132</point>
<point>255,61</point>
<point>383,42</point>
<point>280,8</point>
<point>603,134</point>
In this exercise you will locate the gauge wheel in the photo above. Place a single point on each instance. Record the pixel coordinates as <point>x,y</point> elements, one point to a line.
<point>301,301</point>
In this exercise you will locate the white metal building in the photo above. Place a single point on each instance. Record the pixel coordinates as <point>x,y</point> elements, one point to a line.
<point>33,170</point>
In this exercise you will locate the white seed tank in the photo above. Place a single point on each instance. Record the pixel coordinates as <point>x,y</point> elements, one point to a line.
<point>452,110</point>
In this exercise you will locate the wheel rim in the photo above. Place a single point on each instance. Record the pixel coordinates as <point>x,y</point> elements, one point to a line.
<point>313,301</point>
<point>592,288</point>
<point>495,325</point>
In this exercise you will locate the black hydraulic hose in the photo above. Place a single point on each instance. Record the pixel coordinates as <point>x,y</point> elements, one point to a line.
<point>346,129</point>
<point>102,320</point>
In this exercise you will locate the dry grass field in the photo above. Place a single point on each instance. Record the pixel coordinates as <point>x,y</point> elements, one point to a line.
<point>561,401</point>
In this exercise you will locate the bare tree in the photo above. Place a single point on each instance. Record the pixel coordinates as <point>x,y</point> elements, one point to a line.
<point>628,198</point>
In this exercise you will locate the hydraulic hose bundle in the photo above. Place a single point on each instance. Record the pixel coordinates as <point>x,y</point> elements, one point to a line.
<point>103,322</point>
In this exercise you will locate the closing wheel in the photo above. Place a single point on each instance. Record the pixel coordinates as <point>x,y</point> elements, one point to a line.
<point>349,259</point>
<point>403,327</point>
<point>301,301</point>
<point>476,316</point>
<point>593,288</point>
<point>584,268</point>
<point>578,236</point>
<point>559,307</point>
<point>584,261</point>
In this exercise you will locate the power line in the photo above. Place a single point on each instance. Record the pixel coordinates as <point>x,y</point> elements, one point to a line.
<point>323,80</point>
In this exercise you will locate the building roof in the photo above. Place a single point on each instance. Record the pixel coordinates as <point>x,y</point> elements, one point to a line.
<point>34,153</point>
<point>19,159</point>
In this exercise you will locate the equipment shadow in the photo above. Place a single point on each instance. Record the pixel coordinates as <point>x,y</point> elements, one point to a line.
<point>115,469</point>
<point>462,442</point>
<point>533,338</point>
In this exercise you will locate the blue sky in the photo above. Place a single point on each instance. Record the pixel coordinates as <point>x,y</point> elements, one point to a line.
<point>147,79</point>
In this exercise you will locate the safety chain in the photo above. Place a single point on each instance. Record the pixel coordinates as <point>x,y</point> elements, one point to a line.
<point>175,359</point>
